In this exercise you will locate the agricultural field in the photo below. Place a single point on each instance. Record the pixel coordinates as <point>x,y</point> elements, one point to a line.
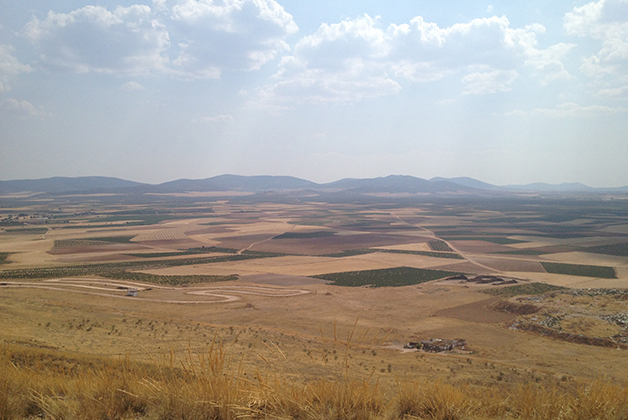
<point>317,292</point>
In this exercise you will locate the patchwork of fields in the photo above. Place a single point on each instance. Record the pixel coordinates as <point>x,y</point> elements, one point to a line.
<point>309,290</point>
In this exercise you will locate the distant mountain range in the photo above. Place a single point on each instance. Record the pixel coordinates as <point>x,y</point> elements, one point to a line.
<point>392,184</point>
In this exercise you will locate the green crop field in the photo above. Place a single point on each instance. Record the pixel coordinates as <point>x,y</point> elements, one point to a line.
<point>126,270</point>
<point>113,239</point>
<point>67,243</point>
<point>439,246</point>
<point>189,251</point>
<point>27,231</point>
<point>580,270</point>
<point>523,252</point>
<point>4,257</point>
<point>620,250</point>
<point>387,277</point>
<point>451,255</point>
<point>351,252</point>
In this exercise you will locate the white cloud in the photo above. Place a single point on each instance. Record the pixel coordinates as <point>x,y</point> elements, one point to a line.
<point>570,109</point>
<point>9,66</point>
<point>12,106</point>
<point>190,38</point>
<point>218,119</point>
<point>357,59</point>
<point>547,63</point>
<point>489,82</point>
<point>339,63</point>
<point>132,86</point>
<point>231,34</point>
<point>606,21</point>
<point>126,41</point>
<point>620,92</point>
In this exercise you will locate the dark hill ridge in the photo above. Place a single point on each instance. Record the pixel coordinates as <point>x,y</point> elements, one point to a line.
<point>240,183</point>
<point>396,184</point>
<point>61,184</point>
<point>468,182</point>
<point>265,183</point>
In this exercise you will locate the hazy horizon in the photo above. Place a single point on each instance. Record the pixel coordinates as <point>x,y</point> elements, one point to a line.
<point>320,183</point>
<point>154,91</point>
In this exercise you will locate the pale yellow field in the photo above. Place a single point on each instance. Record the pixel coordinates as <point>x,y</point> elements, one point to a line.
<point>407,260</point>
<point>160,235</point>
<point>422,246</point>
<point>587,258</point>
<point>537,241</point>
<point>616,229</point>
<point>574,281</point>
<point>290,265</point>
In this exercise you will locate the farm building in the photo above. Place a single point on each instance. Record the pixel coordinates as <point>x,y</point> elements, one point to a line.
<point>438,344</point>
<point>131,292</point>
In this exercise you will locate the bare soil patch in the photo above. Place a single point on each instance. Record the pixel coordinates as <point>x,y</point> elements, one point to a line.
<point>209,230</point>
<point>241,242</point>
<point>281,279</point>
<point>403,260</point>
<point>480,247</point>
<point>465,267</point>
<point>478,312</point>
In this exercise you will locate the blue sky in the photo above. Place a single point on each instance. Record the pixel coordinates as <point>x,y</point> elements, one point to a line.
<point>505,92</point>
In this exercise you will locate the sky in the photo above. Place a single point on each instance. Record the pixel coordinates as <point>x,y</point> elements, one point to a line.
<point>507,92</point>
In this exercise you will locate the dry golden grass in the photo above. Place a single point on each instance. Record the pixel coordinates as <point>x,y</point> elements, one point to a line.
<point>209,385</point>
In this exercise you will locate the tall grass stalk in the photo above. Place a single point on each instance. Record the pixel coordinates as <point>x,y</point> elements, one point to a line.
<point>36,383</point>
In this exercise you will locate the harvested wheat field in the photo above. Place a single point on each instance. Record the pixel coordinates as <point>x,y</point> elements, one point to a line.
<point>511,264</point>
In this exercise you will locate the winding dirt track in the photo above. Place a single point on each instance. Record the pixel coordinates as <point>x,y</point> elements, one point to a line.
<point>118,290</point>
<point>456,250</point>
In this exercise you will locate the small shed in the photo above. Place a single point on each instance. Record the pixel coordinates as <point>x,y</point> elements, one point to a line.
<point>439,344</point>
<point>131,292</point>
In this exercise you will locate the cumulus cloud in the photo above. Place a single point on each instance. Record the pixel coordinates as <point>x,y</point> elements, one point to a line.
<point>14,107</point>
<point>606,21</point>
<point>357,59</point>
<point>620,92</point>
<point>126,41</point>
<point>231,34</point>
<point>9,66</point>
<point>192,38</point>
